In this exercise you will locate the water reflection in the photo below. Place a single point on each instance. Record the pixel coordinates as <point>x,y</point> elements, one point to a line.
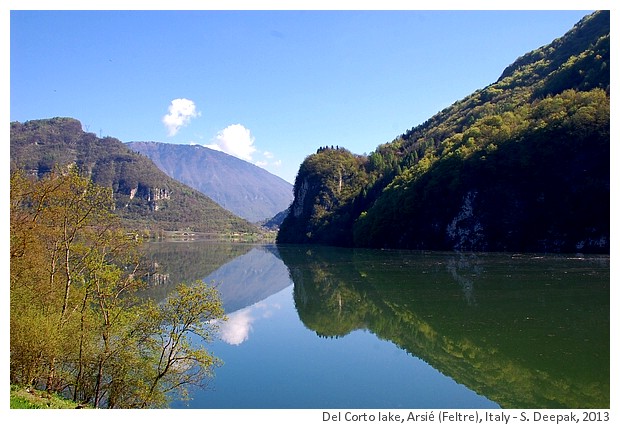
<point>244,274</point>
<point>172,262</point>
<point>524,331</point>
<point>250,278</point>
<point>237,328</point>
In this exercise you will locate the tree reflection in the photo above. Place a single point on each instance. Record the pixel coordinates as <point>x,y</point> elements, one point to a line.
<point>525,331</point>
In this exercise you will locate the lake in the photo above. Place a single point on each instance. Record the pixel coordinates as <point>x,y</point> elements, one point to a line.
<point>317,327</point>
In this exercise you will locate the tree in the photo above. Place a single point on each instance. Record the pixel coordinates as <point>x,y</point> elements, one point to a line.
<point>76,326</point>
<point>56,225</point>
<point>170,331</point>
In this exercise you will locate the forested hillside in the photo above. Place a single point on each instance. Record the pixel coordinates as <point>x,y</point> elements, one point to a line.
<point>521,165</point>
<point>237,185</point>
<point>144,197</point>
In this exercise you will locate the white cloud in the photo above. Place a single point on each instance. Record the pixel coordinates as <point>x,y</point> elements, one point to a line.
<point>180,112</point>
<point>235,140</point>
<point>269,163</point>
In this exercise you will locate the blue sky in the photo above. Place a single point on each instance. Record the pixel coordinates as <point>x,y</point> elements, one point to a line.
<point>267,86</point>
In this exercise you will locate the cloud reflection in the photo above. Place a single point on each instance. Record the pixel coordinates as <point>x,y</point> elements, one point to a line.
<point>236,329</point>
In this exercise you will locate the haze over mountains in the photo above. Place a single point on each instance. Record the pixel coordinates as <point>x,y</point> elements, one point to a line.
<point>239,186</point>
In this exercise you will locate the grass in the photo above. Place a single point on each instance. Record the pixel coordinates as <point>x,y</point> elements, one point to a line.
<point>28,398</point>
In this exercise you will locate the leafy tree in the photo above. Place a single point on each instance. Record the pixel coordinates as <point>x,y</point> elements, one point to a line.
<point>170,330</point>
<point>55,224</point>
<point>326,189</point>
<point>77,326</point>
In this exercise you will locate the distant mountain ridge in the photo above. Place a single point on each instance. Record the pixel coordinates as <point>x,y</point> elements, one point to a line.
<point>239,186</point>
<point>145,197</point>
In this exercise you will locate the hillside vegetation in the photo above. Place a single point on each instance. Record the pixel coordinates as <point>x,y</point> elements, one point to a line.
<point>521,165</point>
<point>144,196</point>
<point>28,398</point>
<point>239,186</point>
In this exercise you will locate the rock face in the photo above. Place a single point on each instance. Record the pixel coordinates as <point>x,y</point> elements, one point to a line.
<point>243,188</point>
<point>521,165</point>
<point>326,194</point>
<point>144,196</point>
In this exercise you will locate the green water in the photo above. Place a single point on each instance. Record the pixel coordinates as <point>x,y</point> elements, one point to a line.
<point>315,327</point>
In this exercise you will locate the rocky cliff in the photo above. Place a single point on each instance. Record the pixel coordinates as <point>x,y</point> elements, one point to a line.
<point>144,196</point>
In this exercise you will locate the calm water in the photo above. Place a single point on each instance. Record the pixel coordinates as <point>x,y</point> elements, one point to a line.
<point>313,327</point>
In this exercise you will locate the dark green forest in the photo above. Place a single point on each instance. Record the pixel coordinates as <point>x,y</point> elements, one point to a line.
<point>520,165</point>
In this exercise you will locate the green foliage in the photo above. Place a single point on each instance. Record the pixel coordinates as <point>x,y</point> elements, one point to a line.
<point>145,198</point>
<point>540,68</point>
<point>326,189</point>
<point>76,325</point>
<point>175,330</point>
<point>522,164</point>
<point>542,184</point>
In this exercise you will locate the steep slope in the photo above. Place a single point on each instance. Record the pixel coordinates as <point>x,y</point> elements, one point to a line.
<point>145,197</point>
<point>521,165</point>
<point>241,187</point>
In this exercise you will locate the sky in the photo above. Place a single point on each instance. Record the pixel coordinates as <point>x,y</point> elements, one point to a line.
<point>267,86</point>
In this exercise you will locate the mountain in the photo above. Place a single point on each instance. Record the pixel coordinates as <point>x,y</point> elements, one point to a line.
<point>520,165</point>
<point>145,197</point>
<point>241,187</point>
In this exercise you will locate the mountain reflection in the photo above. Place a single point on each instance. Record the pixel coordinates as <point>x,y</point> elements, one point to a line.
<point>250,278</point>
<point>244,274</point>
<point>524,331</point>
